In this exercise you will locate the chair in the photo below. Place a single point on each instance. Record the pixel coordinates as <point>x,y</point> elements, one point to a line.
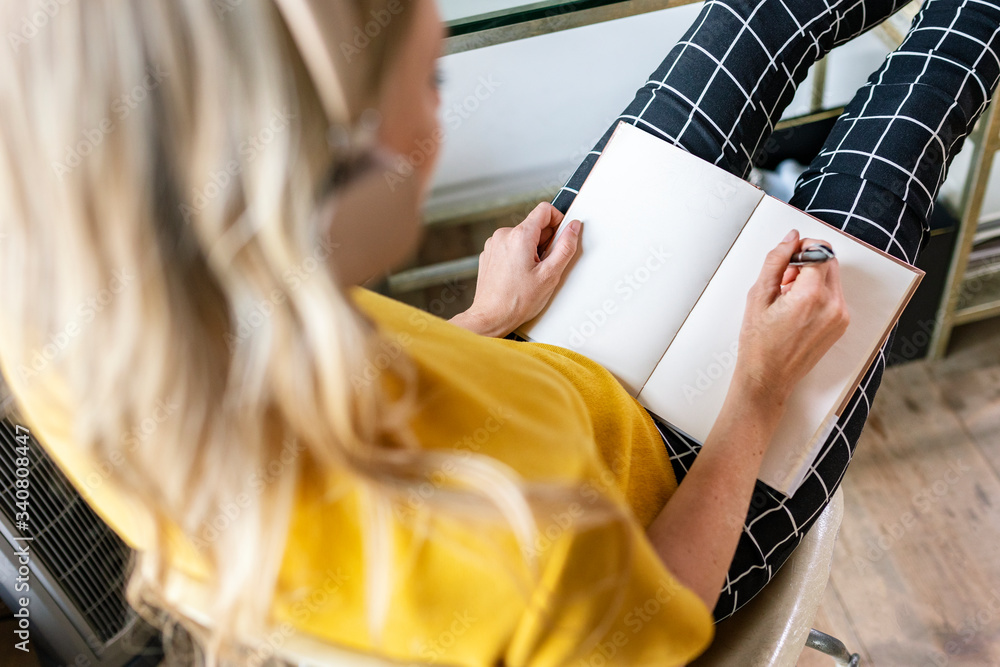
<point>769,631</point>
<point>772,629</point>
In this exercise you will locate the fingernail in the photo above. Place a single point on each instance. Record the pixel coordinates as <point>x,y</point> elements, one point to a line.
<point>790,236</point>
<point>574,226</point>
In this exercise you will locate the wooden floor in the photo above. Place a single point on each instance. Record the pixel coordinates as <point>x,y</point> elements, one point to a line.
<point>916,574</point>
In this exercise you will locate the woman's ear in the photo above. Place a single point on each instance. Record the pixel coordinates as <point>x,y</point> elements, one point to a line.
<point>374,222</point>
<point>374,219</point>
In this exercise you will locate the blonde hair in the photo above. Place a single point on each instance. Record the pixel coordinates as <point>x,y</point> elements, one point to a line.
<point>133,156</point>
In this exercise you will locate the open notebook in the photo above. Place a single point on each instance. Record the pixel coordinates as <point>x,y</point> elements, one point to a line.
<point>669,247</point>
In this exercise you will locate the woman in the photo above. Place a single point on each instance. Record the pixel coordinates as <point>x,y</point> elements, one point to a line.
<point>329,461</point>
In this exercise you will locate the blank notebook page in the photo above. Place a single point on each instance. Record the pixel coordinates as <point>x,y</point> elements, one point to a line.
<point>656,223</point>
<point>690,383</point>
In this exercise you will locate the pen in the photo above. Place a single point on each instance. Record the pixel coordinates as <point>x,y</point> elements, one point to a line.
<point>813,254</point>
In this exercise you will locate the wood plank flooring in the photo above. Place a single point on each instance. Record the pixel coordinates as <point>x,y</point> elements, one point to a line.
<point>916,573</point>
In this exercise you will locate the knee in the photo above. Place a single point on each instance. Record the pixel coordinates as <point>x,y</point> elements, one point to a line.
<point>869,210</point>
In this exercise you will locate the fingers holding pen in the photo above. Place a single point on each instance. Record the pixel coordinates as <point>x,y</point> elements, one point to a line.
<point>791,318</point>
<point>816,272</point>
<point>823,288</point>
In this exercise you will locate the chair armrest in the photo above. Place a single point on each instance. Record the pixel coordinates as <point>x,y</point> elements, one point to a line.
<point>771,629</point>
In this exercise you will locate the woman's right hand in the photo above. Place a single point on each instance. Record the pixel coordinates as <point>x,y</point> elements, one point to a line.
<point>793,316</point>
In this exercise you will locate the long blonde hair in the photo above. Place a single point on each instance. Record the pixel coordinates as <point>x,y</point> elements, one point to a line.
<point>159,164</point>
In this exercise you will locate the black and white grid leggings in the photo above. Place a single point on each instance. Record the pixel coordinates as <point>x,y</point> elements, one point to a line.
<point>718,94</point>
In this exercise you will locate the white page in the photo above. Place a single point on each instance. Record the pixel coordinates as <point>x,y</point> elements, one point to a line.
<point>657,222</point>
<point>690,383</point>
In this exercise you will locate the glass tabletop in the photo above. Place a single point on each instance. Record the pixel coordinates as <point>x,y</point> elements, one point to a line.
<point>468,16</point>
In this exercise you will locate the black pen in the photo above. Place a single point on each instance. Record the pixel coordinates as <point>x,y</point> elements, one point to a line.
<point>813,254</point>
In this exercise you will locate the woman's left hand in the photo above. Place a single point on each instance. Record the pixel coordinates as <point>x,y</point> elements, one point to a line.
<point>514,282</point>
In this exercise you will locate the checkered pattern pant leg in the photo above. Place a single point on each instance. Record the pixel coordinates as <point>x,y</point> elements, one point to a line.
<point>718,94</point>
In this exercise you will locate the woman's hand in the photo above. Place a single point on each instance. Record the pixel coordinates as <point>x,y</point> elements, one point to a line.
<point>793,316</point>
<point>514,282</point>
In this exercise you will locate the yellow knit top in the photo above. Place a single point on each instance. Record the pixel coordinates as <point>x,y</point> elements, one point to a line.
<point>457,592</point>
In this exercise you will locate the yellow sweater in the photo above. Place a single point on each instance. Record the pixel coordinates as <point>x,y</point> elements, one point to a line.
<point>550,415</point>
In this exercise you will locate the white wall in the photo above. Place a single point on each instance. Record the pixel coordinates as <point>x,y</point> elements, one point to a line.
<point>526,112</point>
